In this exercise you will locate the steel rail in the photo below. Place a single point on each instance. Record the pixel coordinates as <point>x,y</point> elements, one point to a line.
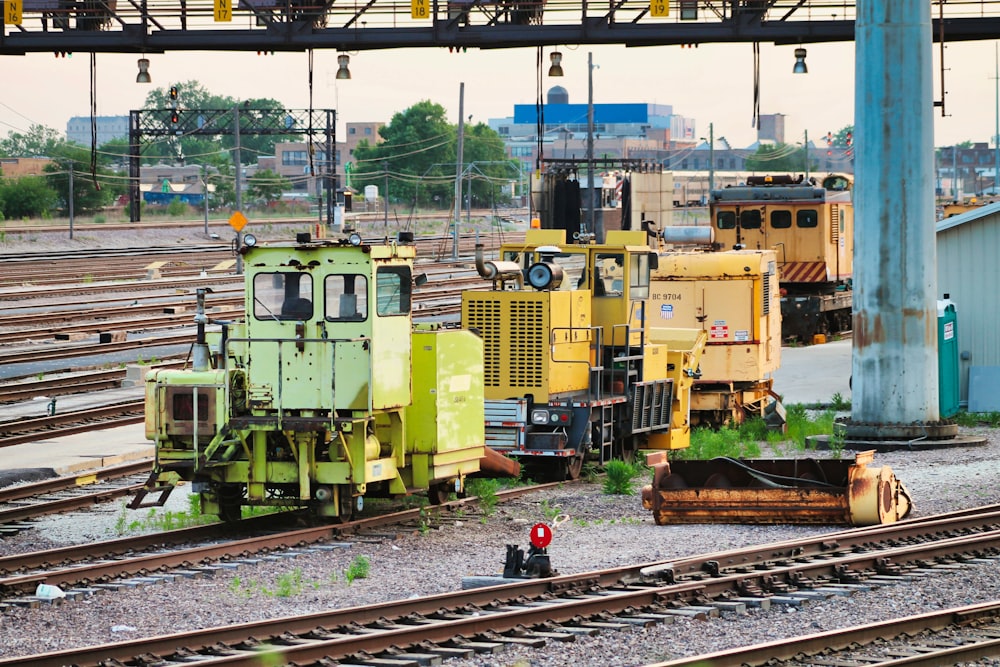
<point>770,653</point>
<point>12,493</point>
<point>626,575</point>
<point>67,423</point>
<point>230,548</point>
<point>300,640</point>
<point>76,502</point>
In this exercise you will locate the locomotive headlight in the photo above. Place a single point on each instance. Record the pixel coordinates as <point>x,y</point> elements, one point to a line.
<point>249,240</point>
<point>539,416</point>
<point>355,239</point>
<point>545,275</point>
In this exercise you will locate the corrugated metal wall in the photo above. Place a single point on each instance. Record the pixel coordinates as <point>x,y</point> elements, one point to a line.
<point>968,269</point>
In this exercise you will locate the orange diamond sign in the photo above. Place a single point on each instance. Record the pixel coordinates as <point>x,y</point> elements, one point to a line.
<point>238,221</point>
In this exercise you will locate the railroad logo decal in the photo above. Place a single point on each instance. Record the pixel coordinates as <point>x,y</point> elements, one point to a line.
<point>667,311</point>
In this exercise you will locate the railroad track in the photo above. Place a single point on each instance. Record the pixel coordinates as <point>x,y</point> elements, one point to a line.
<point>948,637</point>
<point>85,565</point>
<point>67,423</point>
<point>24,503</point>
<point>534,611</point>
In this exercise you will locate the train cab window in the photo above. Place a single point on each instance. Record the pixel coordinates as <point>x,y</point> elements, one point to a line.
<point>750,219</point>
<point>393,287</point>
<point>282,296</point>
<point>346,298</point>
<point>725,220</point>
<point>781,219</point>
<point>609,274</point>
<point>574,268</point>
<point>807,218</point>
<point>639,276</point>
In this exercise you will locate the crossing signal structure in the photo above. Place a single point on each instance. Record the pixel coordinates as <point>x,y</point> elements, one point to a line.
<point>829,144</point>
<point>175,117</point>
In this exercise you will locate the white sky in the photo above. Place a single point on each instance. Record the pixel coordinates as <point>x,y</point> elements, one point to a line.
<point>713,83</point>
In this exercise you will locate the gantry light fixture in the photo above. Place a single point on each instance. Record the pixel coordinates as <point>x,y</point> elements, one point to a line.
<point>343,60</point>
<point>555,69</point>
<point>143,76</point>
<point>800,62</point>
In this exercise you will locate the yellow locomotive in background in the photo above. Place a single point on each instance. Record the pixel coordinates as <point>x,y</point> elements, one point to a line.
<point>571,369</point>
<point>326,393</point>
<point>812,230</point>
<point>733,297</point>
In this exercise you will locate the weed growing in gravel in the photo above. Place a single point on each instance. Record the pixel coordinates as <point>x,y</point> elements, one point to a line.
<point>165,520</point>
<point>550,511</point>
<point>358,569</point>
<point>839,403</point>
<point>485,489</point>
<point>744,441</point>
<point>801,426</point>
<point>969,419</point>
<point>618,479</point>
<point>288,584</point>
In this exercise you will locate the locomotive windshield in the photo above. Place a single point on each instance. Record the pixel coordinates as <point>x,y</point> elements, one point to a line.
<point>393,288</point>
<point>282,296</point>
<point>346,298</point>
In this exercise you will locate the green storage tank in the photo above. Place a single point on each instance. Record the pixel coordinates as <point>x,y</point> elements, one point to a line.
<point>947,358</point>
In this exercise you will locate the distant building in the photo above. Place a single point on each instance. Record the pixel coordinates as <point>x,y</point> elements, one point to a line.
<point>108,128</point>
<point>16,167</point>
<point>620,130</point>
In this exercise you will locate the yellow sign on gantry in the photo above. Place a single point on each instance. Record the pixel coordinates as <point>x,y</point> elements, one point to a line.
<point>659,7</point>
<point>223,10</point>
<point>13,11</point>
<point>420,9</point>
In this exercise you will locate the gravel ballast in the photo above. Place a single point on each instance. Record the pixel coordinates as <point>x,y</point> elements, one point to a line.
<point>601,531</point>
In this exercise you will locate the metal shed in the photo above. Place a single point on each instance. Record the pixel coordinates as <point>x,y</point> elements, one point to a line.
<point>968,270</point>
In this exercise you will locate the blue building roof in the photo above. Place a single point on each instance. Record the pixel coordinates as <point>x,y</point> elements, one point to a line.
<point>526,114</point>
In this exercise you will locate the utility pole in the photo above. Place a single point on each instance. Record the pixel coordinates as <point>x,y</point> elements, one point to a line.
<point>591,226</point>
<point>711,159</point>
<point>204,194</point>
<point>459,168</point>
<point>239,187</point>
<point>805,147</point>
<point>996,129</point>
<point>385,198</point>
<point>70,203</point>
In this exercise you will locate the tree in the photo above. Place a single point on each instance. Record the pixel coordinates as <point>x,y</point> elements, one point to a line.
<point>778,158</point>
<point>39,141</point>
<point>267,186</point>
<point>418,153</point>
<point>26,197</point>
<point>88,196</point>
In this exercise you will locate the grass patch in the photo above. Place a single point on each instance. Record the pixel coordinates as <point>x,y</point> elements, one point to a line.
<point>485,489</point>
<point>618,477</point>
<point>970,419</point>
<point>359,568</point>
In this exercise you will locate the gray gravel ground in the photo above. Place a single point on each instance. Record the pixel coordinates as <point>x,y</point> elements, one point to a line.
<point>601,531</point>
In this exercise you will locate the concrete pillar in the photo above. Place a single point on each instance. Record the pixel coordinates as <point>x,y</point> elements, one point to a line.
<point>895,317</point>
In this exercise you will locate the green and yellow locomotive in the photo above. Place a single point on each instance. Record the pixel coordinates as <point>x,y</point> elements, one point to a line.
<point>324,394</point>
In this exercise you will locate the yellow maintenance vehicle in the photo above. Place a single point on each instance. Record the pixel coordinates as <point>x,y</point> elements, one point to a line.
<point>571,371</point>
<point>733,297</point>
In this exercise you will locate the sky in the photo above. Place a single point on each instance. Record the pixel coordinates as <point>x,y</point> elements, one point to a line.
<point>712,84</point>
